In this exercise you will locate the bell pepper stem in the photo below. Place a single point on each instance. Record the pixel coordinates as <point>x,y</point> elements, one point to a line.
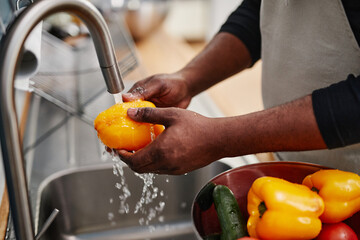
<point>315,190</point>
<point>262,208</point>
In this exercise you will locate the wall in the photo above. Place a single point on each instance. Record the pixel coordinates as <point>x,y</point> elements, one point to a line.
<point>198,20</point>
<point>218,13</point>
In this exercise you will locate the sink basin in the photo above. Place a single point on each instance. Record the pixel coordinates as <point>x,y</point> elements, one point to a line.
<point>89,204</point>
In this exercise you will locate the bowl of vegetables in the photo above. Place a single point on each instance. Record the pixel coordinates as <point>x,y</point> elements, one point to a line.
<point>279,200</point>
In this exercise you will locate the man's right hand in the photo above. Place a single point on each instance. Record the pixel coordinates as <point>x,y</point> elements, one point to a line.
<point>164,90</point>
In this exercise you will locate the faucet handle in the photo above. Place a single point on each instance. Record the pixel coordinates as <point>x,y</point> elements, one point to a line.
<point>47,223</point>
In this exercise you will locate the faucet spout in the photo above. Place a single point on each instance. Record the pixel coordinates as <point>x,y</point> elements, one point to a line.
<point>11,46</point>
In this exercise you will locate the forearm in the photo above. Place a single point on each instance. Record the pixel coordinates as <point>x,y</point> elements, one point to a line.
<point>337,112</point>
<point>224,56</point>
<point>289,127</point>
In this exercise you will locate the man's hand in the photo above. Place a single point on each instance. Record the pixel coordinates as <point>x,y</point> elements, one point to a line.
<point>164,90</point>
<point>188,142</point>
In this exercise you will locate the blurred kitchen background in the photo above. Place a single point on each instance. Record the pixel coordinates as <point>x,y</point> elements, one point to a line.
<point>187,26</point>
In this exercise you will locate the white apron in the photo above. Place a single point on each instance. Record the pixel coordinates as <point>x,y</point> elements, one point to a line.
<point>306,45</point>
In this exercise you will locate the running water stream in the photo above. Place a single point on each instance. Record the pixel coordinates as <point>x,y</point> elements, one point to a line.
<point>146,206</point>
<point>149,191</point>
<point>118,98</point>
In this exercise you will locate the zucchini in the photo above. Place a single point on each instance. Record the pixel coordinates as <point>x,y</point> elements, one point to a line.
<point>232,222</point>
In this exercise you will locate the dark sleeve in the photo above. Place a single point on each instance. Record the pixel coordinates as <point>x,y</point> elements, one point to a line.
<point>244,23</point>
<point>337,112</point>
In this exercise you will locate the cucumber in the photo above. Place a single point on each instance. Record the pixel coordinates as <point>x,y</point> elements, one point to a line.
<point>232,222</point>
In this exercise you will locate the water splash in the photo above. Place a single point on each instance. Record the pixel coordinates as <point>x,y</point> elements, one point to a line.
<point>118,98</point>
<point>118,170</point>
<point>110,216</point>
<point>183,205</point>
<point>149,195</point>
<point>161,219</point>
<point>148,192</point>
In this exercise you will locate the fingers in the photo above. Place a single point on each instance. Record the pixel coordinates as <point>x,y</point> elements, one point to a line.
<point>141,163</point>
<point>133,95</point>
<point>145,89</point>
<point>163,116</point>
<point>132,160</point>
<point>128,158</point>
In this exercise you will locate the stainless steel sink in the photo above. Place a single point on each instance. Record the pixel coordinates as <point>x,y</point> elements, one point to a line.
<point>89,204</point>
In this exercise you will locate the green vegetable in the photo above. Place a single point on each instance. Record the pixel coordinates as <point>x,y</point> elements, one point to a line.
<point>233,224</point>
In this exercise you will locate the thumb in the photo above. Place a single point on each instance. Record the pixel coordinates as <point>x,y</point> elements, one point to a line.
<point>163,116</point>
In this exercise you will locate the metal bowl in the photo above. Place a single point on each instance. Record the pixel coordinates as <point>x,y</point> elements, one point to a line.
<point>144,16</point>
<point>240,179</point>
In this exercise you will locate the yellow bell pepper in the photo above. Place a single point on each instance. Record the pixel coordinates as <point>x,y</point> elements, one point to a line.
<point>340,191</point>
<point>280,209</point>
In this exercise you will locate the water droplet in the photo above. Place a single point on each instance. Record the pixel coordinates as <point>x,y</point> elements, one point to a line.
<point>104,156</point>
<point>152,228</point>
<point>152,214</point>
<point>161,206</point>
<point>110,216</point>
<point>152,133</point>
<point>139,90</point>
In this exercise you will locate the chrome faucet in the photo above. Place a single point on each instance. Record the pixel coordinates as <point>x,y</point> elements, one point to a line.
<point>11,46</point>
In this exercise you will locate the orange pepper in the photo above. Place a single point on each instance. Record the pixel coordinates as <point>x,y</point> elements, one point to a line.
<point>340,191</point>
<point>280,209</point>
<point>116,130</point>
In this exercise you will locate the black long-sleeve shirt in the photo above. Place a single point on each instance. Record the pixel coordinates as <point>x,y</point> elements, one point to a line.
<point>337,107</point>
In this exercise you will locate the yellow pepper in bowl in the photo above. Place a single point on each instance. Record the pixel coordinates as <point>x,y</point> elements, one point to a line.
<point>280,209</point>
<point>340,191</point>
